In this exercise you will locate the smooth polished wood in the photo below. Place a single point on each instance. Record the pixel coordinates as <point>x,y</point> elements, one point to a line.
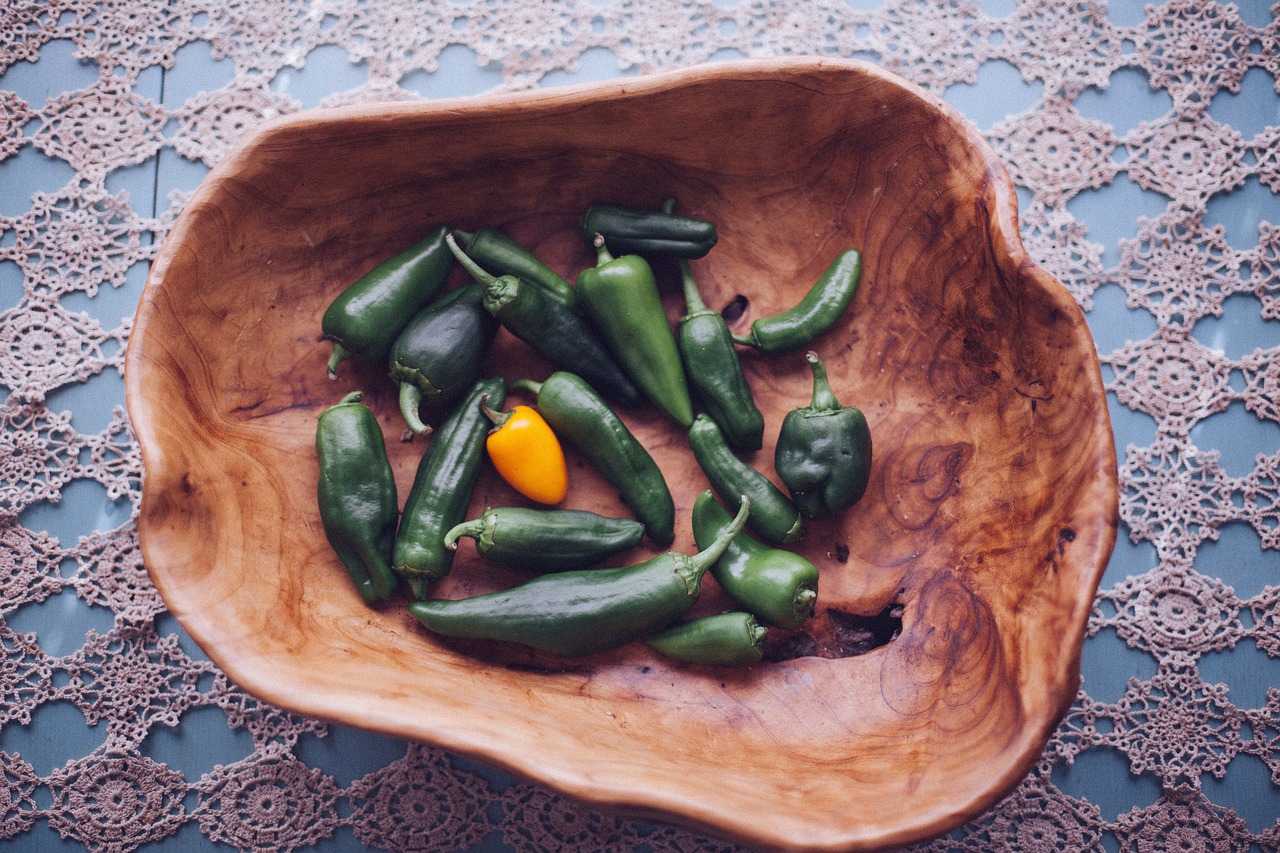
<point>990,516</point>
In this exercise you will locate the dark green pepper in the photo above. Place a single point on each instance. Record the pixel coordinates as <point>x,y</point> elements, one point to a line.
<point>579,416</point>
<point>541,540</point>
<point>823,455</point>
<point>780,587</point>
<point>620,298</point>
<point>551,328</point>
<point>726,639</point>
<point>440,353</point>
<point>582,612</point>
<point>630,230</point>
<point>442,487</point>
<point>496,252</point>
<point>775,519</point>
<point>366,317</point>
<point>714,371</point>
<point>815,314</point>
<point>357,495</point>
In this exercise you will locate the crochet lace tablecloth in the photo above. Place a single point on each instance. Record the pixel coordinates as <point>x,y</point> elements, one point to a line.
<point>1164,226</point>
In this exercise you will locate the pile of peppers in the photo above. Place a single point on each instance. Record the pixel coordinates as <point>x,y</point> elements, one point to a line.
<point>611,344</point>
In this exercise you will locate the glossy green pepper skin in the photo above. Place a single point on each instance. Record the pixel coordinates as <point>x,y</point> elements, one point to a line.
<point>631,230</point>
<point>715,372</point>
<point>726,639</point>
<point>442,487</point>
<point>620,297</point>
<point>579,416</point>
<point>365,319</point>
<point>576,613</point>
<point>779,587</point>
<point>439,354</point>
<point>815,314</point>
<point>499,254</point>
<point>357,495</point>
<point>543,540</point>
<point>774,518</point>
<point>823,455</point>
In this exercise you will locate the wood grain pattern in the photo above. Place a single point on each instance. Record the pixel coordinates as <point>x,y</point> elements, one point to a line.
<point>990,516</point>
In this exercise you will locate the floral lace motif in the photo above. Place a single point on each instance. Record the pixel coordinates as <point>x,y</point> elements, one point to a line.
<point>73,245</point>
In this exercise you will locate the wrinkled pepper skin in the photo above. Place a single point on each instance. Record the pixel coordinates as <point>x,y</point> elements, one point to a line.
<point>775,519</point>
<point>440,353</point>
<point>544,540</point>
<point>823,455</point>
<point>577,613</point>
<point>357,495</point>
<point>499,254</point>
<point>526,454</point>
<point>815,314</point>
<point>442,488</point>
<point>365,319</point>
<point>715,372</point>
<point>620,297</point>
<point>726,639</point>
<point>582,418</point>
<point>779,587</point>
<point>649,233</point>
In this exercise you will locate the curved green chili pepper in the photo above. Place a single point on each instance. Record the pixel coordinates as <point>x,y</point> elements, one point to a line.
<point>366,317</point>
<point>815,314</point>
<point>440,352</point>
<point>582,612</point>
<point>551,328</point>
<point>620,298</point>
<point>495,251</point>
<point>714,371</point>
<point>442,488</point>
<point>775,518</point>
<point>778,586</point>
<point>630,230</point>
<point>579,416</point>
<point>540,540</point>
<point>823,455</point>
<point>726,639</point>
<point>357,495</point>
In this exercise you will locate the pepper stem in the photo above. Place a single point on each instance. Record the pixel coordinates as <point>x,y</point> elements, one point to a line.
<point>824,399</point>
<point>350,397</point>
<point>692,568</point>
<point>410,399</point>
<point>692,298</point>
<point>466,238</point>
<point>528,386</point>
<point>477,272</point>
<point>474,528</point>
<point>499,419</point>
<point>339,355</point>
<point>602,251</point>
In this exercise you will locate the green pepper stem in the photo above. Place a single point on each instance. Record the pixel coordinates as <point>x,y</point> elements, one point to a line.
<point>602,251</point>
<point>529,386</point>
<point>692,298</point>
<point>499,419</point>
<point>410,399</point>
<point>824,399</point>
<point>669,206</point>
<point>692,568</point>
<point>466,238</point>
<point>339,355</point>
<point>474,528</point>
<point>350,397</point>
<point>477,272</point>
<point>747,340</point>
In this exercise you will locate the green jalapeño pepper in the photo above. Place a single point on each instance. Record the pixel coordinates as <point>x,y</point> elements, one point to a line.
<point>580,417</point>
<point>365,318</point>
<point>726,639</point>
<point>815,314</point>
<point>775,519</point>
<point>823,455</point>
<point>620,298</point>
<point>552,328</point>
<point>576,613</point>
<point>714,371</point>
<point>540,540</point>
<point>357,495</point>
<point>780,587</point>
<point>439,354</point>
<point>630,230</point>
<point>442,487</point>
<point>495,251</point>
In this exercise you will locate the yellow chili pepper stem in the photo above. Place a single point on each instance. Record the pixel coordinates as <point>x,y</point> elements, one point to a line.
<point>527,454</point>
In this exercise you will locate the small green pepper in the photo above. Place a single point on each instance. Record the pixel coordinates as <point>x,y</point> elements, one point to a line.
<point>575,613</point>
<point>580,417</point>
<point>495,251</point>
<point>630,230</point>
<point>714,371</point>
<point>823,455</point>
<point>540,540</point>
<point>726,639</point>
<point>780,587</point>
<point>357,495</point>
<point>620,297</point>
<point>815,314</point>
<point>442,487</point>
<point>440,353</point>
<point>366,317</point>
<point>775,519</point>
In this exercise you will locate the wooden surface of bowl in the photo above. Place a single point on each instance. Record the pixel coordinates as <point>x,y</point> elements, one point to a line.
<point>991,513</point>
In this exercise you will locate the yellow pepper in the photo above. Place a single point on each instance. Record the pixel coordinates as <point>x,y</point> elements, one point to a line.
<point>527,454</point>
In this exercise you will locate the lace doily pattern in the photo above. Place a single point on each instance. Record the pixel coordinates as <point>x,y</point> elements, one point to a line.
<point>70,254</point>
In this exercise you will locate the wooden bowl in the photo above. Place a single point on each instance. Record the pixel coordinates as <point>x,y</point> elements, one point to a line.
<point>990,516</point>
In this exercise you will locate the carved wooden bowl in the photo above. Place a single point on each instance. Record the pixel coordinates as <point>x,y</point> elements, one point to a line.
<point>990,515</point>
